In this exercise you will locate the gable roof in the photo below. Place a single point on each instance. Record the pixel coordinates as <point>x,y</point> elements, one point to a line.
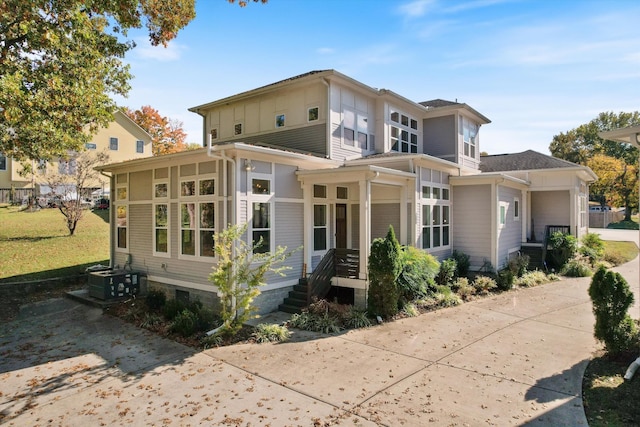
<point>526,160</point>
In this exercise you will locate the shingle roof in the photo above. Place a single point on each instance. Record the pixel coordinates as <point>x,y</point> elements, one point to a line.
<point>527,160</point>
<point>435,103</point>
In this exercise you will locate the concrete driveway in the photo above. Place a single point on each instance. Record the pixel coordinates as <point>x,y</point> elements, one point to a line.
<point>510,359</point>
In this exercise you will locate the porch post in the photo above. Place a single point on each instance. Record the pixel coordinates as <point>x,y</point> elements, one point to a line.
<point>403,215</point>
<point>365,226</point>
<point>307,226</point>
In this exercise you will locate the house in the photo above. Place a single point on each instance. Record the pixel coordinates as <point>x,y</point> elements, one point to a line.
<point>326,163</point>
<point>123,139</point>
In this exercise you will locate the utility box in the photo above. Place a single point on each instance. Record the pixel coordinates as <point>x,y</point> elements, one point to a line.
<point>113,284</point>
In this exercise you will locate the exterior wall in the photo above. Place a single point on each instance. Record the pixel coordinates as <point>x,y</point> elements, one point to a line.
<point>383,215</point>
<point>309,139</point>
<point>509,235</point>
<point>549,208</point>
<point>440,137</point>
<point>472,219</point>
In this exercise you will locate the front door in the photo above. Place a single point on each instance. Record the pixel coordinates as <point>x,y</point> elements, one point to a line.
<point>341,226</point>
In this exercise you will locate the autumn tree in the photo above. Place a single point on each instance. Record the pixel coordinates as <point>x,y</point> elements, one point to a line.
<point>61,60</point>
<point>582,144</point>
<point>167,135</point>
<point>75,174</point>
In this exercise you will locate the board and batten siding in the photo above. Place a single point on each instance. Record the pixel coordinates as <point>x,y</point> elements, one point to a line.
<point>471,212</point>
<point>549,208</point>
<point>510,235</point>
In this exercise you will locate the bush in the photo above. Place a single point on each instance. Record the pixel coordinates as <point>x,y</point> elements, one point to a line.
<point>357,319</point>
<point>505,279</point>
<point>172,308</point>
<point>384,268</point>
<point>518,265</point>
<point>445,297</point>
<point>416,279</point>
<point>271,333</point>
<point>484,284</point>
<point>577,267</point>
<point>614,257</point>
<point>447,272</point>
<point>563,248</point>
<point>150,320</point>
<point>592,247</point>
<point>155,299</point>
<point>532,278</point>
<point>185,323</point>
<point>463,263</point>
<point>611,298</point>
<point>462,287</point>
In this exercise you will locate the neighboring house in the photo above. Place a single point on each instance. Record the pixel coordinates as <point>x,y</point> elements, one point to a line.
<point>123,139</point>
<point>325,163</point>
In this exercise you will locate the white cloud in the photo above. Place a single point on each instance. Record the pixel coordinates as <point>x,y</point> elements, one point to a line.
<point>325,50</point>
<point>145,50</point>
<point>416,8</point>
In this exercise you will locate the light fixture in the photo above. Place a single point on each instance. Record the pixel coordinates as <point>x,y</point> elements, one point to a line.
<point>247,165</point>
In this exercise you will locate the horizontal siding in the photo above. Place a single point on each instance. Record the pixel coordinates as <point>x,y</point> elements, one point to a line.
<point>286,183</point>
<point>289,232</point>
<point>549,208</point>
<point>383,215</point>
<point>510,236</point>
<point>472,222</point>
<point>308,139</point>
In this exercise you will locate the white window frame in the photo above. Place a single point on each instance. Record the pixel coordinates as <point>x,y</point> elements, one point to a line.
<point>121,198</point>
<point>469,131</point>
<point>113,142</point>
<point>516,209</point>
<point>139,146</point>
<point>435,215</point>
<point>266,199</point>
<point>503,211</point>
<point>321,200</point>
<point>397,130</point>
<point>197,200</point>
<point>159,200</point>
<point>358,123</point>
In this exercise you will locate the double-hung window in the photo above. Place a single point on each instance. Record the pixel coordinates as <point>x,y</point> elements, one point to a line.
<point>122,212</point>
<point>3,162</point>
<point>161,212</point>
<point>436,216</point>
<point>404,132</point>
<point>355,129</point>
<point>261,214</point>
<point>113,144</point>
<point>320,218</point>
<point>139,146</point>
<point>197,216</point>
<point>469,132</point>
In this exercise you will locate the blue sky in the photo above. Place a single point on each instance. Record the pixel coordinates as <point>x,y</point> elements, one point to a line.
<point>534,68</point>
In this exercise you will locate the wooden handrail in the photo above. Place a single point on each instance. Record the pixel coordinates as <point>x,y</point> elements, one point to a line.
<point>319,282</point>
<point>548,231</point>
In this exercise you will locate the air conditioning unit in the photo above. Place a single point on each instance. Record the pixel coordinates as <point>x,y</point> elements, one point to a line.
<point>113,284</point>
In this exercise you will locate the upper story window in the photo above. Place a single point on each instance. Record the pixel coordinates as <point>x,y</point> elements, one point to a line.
<point>237,129</point>
<point>355,130</point>
<point>3,163</point>
<point>139,146</point>
<point>280,121</point>
<point>404,132</point>
<point>90,146</point>
<point>469,132</point>
<point>113,144</point>
<point>313,114</point>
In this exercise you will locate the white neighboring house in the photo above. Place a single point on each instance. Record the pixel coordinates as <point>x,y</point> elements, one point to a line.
<point>326,163</point>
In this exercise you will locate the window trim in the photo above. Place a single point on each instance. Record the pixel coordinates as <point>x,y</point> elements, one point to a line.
<point>3,162</point>
<point>237,129</point>
<point>280,121</point>
<point>267,199</point>
<point>112,140</point>
<point>157,253</point>
<point>124,202</point>
<point>197,199</point>
<point>309,120</point>
<point>401,129</point>
<point>516,209</point>
<point>358,130</point>
<point>139,146</point>
<point>441,205</point>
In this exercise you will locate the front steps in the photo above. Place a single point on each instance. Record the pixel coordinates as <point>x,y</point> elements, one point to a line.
<point>297,299</point>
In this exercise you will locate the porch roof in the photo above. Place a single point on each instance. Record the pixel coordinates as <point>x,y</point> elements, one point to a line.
<point>342,174</point>
<point>629,135</point>
<point>489,178</point>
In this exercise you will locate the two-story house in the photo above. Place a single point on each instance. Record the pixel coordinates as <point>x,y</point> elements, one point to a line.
<point>326,163</point>
<point>123,139</point>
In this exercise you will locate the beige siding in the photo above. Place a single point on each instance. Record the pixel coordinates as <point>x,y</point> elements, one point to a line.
<point>471,212</point>
<point>383,215</point>
<point>549,208</point>
<point>140,185</point>
<point>509,236</point>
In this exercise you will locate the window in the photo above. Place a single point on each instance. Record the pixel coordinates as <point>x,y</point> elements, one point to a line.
<point>313,114</point>
<point>113,144</point>
<point>161,228</point>
<point>214,133</point>
<point>280,120</point>
<point>197,217</point>
<point>90,146</point>
<point>122,212</point>
<point>139,146</point>
<point>161,190</point>
<point>261,215</point>
<point>67,167</point>
<point>503,214</point>
<point>516,209</point>
<point>404,133</point>
<point>319,227</point>
<point>320,191</point>
<point>469,132</point>
<point>237,129</point>
<point>342,193</point>
<point>355,130</point>
<point>3,163</point>
<point>436,216</point>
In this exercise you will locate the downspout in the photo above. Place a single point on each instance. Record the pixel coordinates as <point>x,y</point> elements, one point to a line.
<point>111,219</point>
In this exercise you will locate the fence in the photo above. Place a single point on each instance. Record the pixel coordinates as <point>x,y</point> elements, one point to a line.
<point>19,194</point>
<point>603,219</point>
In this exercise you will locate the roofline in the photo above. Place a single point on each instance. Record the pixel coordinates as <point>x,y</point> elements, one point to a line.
<point>458,106</point>
<point>629,135</point>
<point>491,176</point>
<point>400,156</point>
<point>357,168</point>
<point>118,111</point>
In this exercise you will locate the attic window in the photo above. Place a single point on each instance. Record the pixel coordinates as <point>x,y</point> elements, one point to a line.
<point>312,114</point>
<point>280,120</point>
<point>237,129</point>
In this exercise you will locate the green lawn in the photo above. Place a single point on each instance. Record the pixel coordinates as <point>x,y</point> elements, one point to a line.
<point>37,245</point>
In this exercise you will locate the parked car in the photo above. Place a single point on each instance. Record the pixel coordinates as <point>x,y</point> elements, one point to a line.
<point>598,208</point>
<point>102,204</point>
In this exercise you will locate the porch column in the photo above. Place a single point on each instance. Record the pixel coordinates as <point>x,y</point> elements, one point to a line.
<point>403,215</point>
<point>307,237</point>
<point>365,226</point>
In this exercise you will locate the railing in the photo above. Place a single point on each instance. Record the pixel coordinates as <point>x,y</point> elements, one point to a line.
<point>319,282</point>
<point>336,262</point>
<point>548,231</point>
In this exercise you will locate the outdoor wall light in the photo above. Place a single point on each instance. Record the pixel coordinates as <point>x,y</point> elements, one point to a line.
<point>248,166</point>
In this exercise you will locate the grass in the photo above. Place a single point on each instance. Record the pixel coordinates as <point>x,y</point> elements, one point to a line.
<point>37,245</point>
<point>619,252</point>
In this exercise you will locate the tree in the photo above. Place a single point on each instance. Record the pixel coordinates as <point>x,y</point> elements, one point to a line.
<point>70,181</point>
<point>239,273</point>
<point>384,268</point>
<point>61,60</point>
<point>582,144</point>
<point>167,135</point>
<point>617,182</point>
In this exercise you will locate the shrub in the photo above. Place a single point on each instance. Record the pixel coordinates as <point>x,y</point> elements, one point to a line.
<point>155,299</point>
<point>447,272</point>
<point>271,333</point>
<point>210,341</point>
<point>384,267</point>
<point>463,263</point>
<point>172,308</point>
<point>614,257</point>
<point>592,247</point>
<point>462,287</point>
<point>577,267</point>
<point>505,279</point>
<point>301,321</point>
<point>326,324</point>
<point>150,320</point>
<point>563,248</point>
<point>185,323</point>
<point>357,319</point>
<point>410,310</point>
<point>531,278</point>
<point>518,265</point>
<point>322,306</point>
<point>484,284</point>
<point>416,279</point>
<point>611,298</point>
<point>445,297</point>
